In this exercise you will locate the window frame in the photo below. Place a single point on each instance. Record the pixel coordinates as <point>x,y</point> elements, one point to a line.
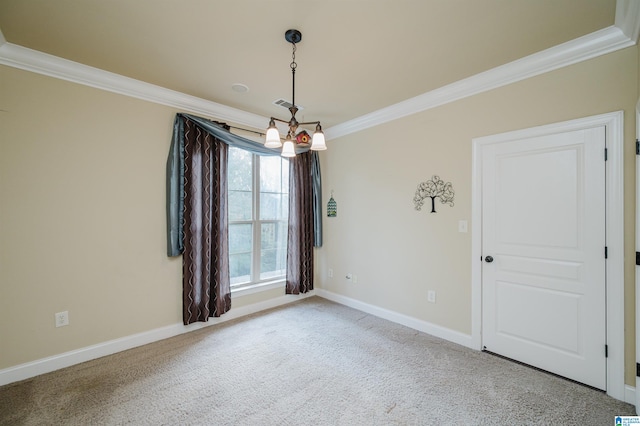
<point>255,284</point>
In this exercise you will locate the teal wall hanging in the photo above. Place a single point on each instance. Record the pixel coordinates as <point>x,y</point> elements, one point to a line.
<point>332,207</point>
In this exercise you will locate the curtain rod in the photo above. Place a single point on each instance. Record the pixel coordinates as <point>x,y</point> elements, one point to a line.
<point>246,130</point>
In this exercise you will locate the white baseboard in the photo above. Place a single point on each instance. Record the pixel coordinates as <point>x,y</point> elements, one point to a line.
<point>630,395</point>
<point>67,359</point>
<point>411,322</point>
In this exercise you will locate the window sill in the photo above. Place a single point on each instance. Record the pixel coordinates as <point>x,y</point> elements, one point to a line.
<point>257,288</point>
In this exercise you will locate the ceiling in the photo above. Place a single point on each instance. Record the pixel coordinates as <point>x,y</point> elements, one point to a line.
<point>355,57</point>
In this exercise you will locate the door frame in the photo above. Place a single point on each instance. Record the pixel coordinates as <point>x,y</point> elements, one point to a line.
<point>637,268</point>
<point>614,228</point>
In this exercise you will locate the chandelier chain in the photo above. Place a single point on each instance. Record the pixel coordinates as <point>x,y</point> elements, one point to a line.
<point>293,66</point>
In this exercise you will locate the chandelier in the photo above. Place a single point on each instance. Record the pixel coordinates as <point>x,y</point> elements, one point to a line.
<point>302,138</point>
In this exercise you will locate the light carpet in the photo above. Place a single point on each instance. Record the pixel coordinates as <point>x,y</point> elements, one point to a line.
<point>313,362</point>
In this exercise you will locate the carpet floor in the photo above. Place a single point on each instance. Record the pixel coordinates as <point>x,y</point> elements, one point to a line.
<point>313,362</point>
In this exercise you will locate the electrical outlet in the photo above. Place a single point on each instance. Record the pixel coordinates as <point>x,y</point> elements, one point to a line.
<point>354,278</point>
<point>62,319</point>
<point>330,273</point>
<point>431,296</point>
<point>462,226</point>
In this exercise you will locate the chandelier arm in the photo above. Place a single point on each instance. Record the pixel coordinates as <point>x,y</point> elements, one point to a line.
<point>306,123</point>
<point>280,120</point>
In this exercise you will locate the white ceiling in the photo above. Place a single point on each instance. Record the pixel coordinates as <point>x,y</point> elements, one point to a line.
<point>355,57</point>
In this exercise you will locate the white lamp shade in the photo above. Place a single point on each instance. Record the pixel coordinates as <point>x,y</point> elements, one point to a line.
<point>317,142</point>
<point>273,138</point>
<point>288,149</point>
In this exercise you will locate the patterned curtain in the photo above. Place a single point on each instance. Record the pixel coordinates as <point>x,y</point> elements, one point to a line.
<point>205,261</point>
<point>301,226</point>
<point>197,213</point>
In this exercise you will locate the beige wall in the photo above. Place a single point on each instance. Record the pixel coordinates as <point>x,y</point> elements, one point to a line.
<point>82,205</point>
<point>399,253</point>
<point>82,222</point>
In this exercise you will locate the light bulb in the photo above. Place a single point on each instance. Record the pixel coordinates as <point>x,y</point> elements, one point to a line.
<point>273,136</point>
<point>317,142</point>
<point>287,149</point>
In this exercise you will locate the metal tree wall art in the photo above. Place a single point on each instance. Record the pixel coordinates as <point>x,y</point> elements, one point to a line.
<point>434,188</point>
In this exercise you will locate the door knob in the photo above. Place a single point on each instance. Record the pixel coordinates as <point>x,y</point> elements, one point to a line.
<point>488,259</point>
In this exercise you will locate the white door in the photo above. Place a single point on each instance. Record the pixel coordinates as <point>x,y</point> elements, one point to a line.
<point>543,248</point>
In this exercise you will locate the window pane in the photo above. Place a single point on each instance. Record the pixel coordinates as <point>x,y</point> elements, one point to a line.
<point>273,207</point>
<point>285,176</point>
<point>239,268</point>
<point>274,188</point>
<point>240,205</point>
<point>271,174</point>
<point>239,170</point>
<point>273,251</point>
<point>240,238</point>
<point>240,249</point>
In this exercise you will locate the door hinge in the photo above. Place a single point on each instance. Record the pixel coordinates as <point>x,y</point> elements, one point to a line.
<point>606,154</point>
<point>606,252</point>
<point>637,147</point>
<point>606,351</point>
<point>637,369</point>
<point>638,258</point>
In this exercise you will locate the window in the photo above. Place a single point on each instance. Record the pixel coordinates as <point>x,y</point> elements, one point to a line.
<point>258,211</point>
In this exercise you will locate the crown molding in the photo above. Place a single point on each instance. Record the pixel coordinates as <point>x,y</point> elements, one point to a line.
<point>598,43</point>
<point>628,18</point>
<point>42,63</point>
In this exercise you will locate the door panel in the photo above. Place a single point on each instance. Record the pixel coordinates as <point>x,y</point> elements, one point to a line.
<point>543,219</point>
<point>545,310</point>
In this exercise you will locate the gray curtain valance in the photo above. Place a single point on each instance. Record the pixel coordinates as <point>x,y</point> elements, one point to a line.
<point>175,176</point>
